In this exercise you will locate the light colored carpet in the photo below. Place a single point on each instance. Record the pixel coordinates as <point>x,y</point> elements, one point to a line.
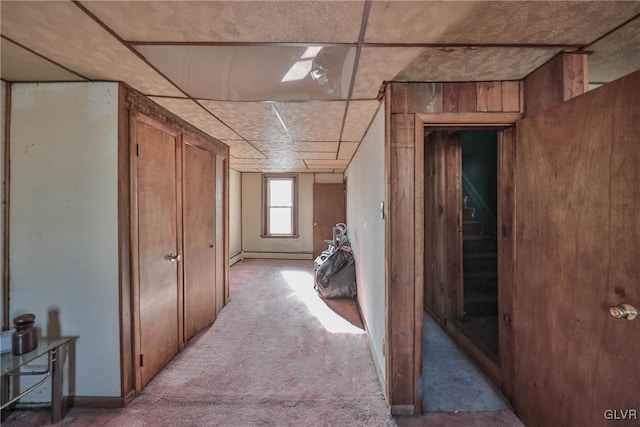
<point>276,356</point>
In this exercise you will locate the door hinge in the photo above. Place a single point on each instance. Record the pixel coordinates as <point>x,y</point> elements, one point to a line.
<point>137,150</point>
<point>141,360</point>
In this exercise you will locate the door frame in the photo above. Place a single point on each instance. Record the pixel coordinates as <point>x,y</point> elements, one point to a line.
<point>506,209</point>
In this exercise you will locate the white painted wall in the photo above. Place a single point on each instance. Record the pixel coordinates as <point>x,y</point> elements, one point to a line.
<point>64,224</point>
<point>365,228</point>
<point>255,246</point>
<point>235,215</point>
<point>329,178</point>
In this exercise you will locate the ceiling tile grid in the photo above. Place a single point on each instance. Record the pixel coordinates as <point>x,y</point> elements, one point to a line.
<point>191,112</point>
<point>234,21</point>
<point>347,150</point>
<point>313,121</point>
<point>359,116</point>
<point>19,64</point>
<point>62,32</point>
<point>252,120</point>
<point>241,149</point>
<point>300,146</point>
<point>495,22</point>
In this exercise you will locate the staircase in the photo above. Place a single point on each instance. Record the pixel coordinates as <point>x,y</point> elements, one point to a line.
<point>480,266</point>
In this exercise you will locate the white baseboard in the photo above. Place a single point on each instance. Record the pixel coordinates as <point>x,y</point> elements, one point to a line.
<point>236,258</point>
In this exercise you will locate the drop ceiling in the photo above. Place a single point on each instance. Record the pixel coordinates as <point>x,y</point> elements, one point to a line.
<point>291,86</point>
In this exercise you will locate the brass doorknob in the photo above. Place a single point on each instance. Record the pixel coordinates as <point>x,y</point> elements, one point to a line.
<point>624,311</point>
<point>174,257</point>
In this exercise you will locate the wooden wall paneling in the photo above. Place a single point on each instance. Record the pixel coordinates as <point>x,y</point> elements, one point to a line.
<point>6,188</point>
<point>135,267</point>
<point>418,285</point>
<point>506,257</point>
<point>464,120</point>
<point>452,226</point>
<point>199,254</point>
<point>388,173</point>
<point>179,162</point>
<point>135,101</point>
<point>430,223</point>
<point>127,381</point>
<point>489,96</point>
<point>424,97</point>
<point>460,97</point>
<point>399,100</point>
<point>563,77</point>
<point>511,97</point>
<point>402,239</point>
<point>577,255</point>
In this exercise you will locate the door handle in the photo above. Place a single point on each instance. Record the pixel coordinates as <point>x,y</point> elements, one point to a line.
<point>174,257</point>
<point>624,311</point>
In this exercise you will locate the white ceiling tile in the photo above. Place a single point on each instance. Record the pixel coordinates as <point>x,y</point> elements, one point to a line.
<point>495,22</point>
<point>327,163</point>
<point>243,150</point>
<point>19,64</point>
<point>347,150</point>
<point>475,64</point>
<point>252,120</point>
<point>233,21</point>
<point>313,121</point>
<point>302,146</point>
<point>359,116</point>
<point>379,64</point>
<point>304,155</point>
<point>615,55</point>
<point>191,112</point>
<point>62,32</point>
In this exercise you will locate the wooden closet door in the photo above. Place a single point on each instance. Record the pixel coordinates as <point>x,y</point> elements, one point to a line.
<point>157,243</point>
<point>200,239</point>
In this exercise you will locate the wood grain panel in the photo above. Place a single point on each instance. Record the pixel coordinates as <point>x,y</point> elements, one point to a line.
<point>577,234</point>
<point>511,96</point>
<point>199,239</point>
<point>418,285</point>
<point>328,210</point>
<point>157,221</point>
<point>220,242</point>
<point>459,97</point>
<point>489,96</point>
<point>443,201</point>
<point>506,257</point>
<point>401,234</point>
<point>560,79</point>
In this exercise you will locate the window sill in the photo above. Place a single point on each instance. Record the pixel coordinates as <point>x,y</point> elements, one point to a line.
<point>276,236</point>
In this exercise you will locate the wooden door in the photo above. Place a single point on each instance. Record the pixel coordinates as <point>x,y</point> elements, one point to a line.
<point>577,255</point>
<point>158,220</point>
<point>328,210</point>
<point>221,253</point>
<point>199,239</point>
<point>442,234</point>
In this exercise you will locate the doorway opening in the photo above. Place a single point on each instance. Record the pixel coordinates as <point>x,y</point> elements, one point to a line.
<point>479,198</point>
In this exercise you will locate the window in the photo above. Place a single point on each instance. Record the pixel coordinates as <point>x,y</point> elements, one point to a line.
<point>279,206</point>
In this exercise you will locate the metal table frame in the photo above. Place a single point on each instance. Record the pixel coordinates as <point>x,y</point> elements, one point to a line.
<point>54,349</point>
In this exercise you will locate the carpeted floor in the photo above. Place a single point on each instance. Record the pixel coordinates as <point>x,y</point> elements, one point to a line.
<point>277,355</point>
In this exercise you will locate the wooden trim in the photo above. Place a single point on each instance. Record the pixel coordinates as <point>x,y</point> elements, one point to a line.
<point>388,173</point>
<point>179,147</point>
<point>124,249</point>
<point>6,187</point>
<point>469,119</point>
<point>402,410</point>
<point>418,266</point>
<point>225,228</point>
<point>295,209</point>
<point>137,102</point>
<point>94,402</point>
<point>133,231</point>
<point>506,257</point>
